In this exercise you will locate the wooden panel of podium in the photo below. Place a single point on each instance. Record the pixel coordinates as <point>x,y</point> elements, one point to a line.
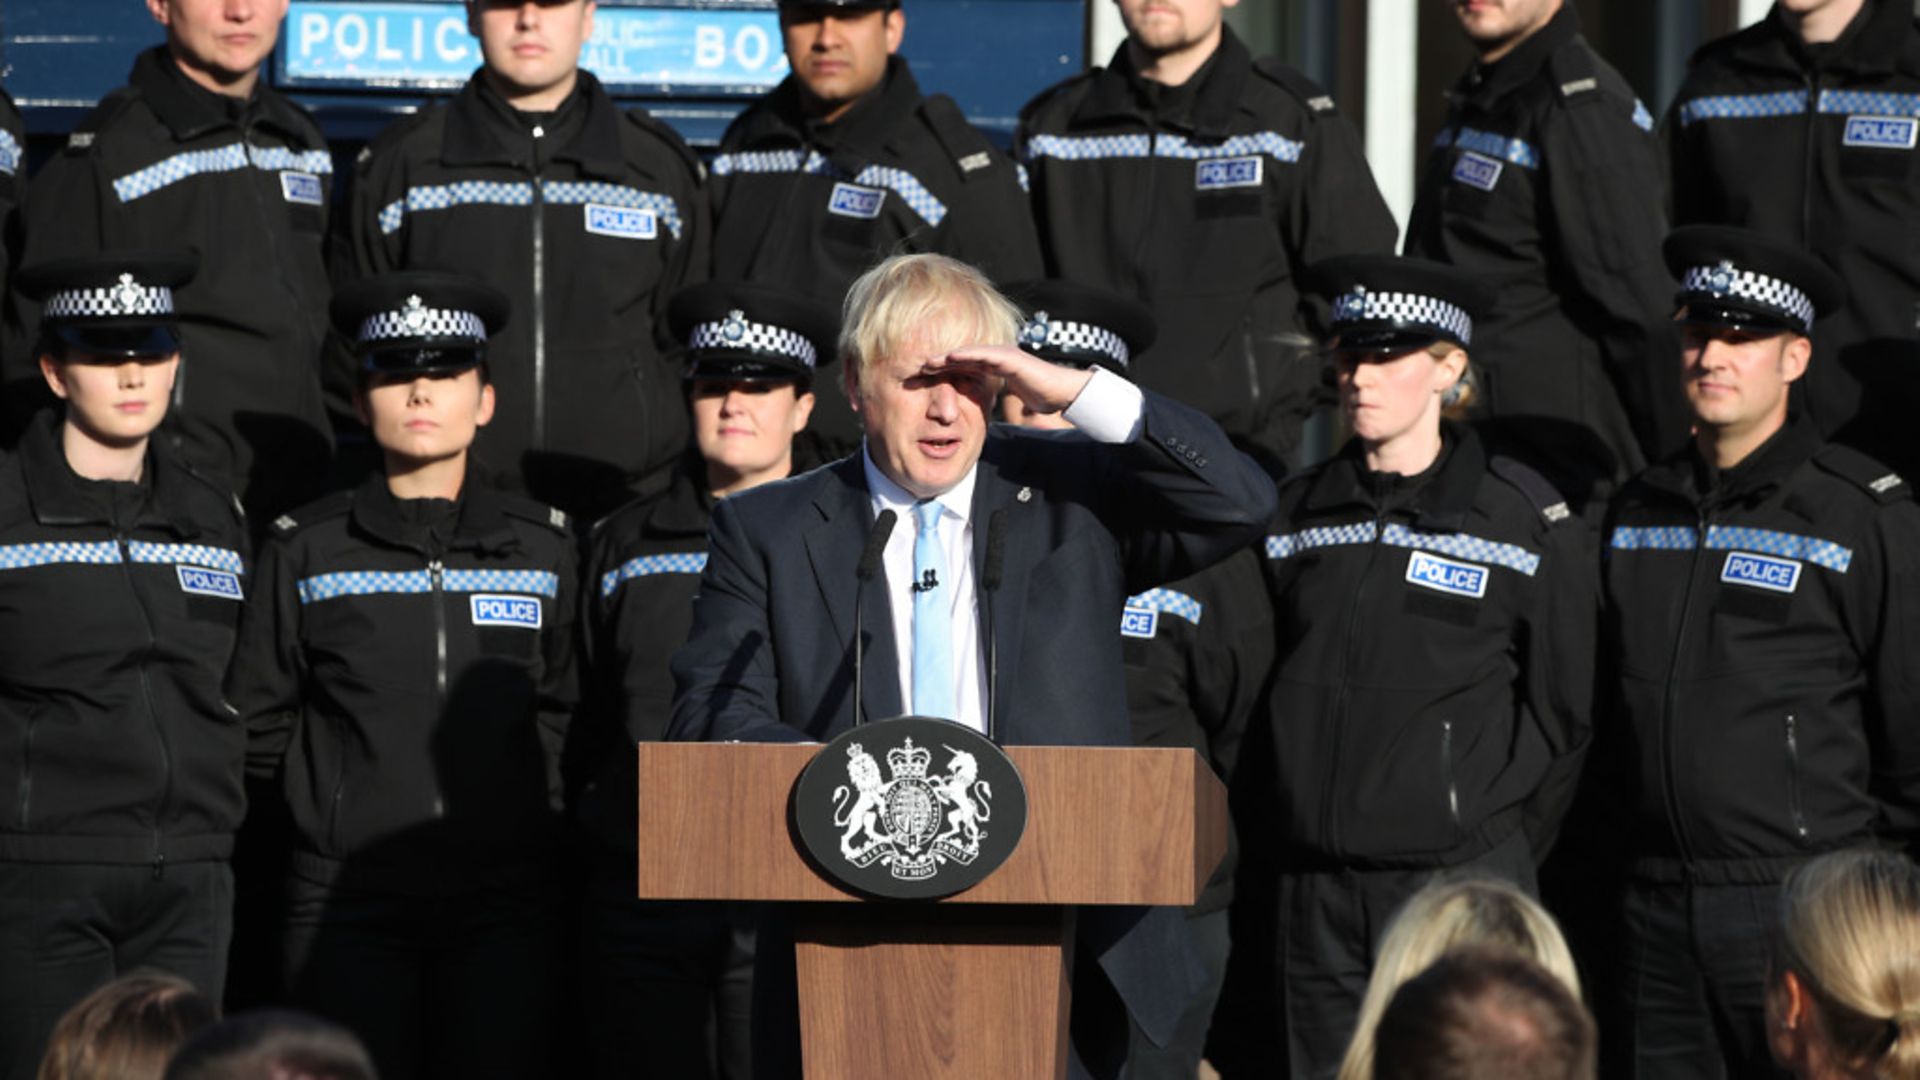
<point>973,985</point>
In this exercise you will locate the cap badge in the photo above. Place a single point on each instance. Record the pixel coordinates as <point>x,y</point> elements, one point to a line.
<point>127,295</point>
<point>413,318</point>
<point>1034,334</point>
<point>1352,306</point>
<point>735,327</point>
<point>1720,281</point>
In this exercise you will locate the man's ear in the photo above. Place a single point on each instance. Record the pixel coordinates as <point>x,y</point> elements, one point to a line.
<point>896,29</point>
<point>1794,359</point>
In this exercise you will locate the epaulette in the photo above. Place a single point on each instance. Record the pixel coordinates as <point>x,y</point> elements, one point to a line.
<point>1295,82</point>
<point>1575,71</point>
<point>969,149</point>
<point>653,125</point>
<point>224,492</point>
<point>1040,99</point>
<point>80,141</point>
<point>537,512</point>
<point>1537,489</point>
<point>1862,471</point>
<point>322,509</point>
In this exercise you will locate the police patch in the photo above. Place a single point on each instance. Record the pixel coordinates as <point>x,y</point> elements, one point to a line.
<point>626,222</point>
<point>851,200</point>
<point>490,609</point>
<point>1477,170</point>
<point>1445,575</point>
<point>1221,173</point>
<point>201,581</point>
<point>1881,132</point>
<point>301,187</point>
<point>1761,571</point>
<point>1136,622</point>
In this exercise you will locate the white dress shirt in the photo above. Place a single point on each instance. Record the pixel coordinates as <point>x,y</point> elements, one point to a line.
<point>1109,409</point>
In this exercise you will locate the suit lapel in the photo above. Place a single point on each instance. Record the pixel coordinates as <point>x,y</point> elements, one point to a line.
<point>834,545</point>
<point>994,493</point>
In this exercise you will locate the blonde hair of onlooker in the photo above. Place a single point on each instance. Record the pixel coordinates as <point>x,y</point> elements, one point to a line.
<point>1446,915</point>
<point>1461,396</point>
<point>928,303</point>
<point>127,1029</point>
<point>1850,934</point>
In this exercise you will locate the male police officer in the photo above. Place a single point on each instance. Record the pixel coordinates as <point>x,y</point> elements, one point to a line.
<point>196,152</point>
<point>1545,181</point>
<point>588,217</point>
<point>844,163</point>
<point>1802,126</point>
<point>1761,614</point>
<point>1201,181</point>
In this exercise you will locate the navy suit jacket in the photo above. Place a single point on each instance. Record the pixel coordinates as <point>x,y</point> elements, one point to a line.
<point>770,656</point>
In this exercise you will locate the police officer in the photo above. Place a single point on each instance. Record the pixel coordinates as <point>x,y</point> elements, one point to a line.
<point>1761,613</point>
<point>1431,700</point>
<point>406,670</point>
<point>1545,181</point>
<point>587,216</point>
<point>1198,650</point>
<point>669,984</point>
<point>121,572</point>
<point>196,152</point>
<point>1189,175</point>
<point>844,163</point>
<point>1801,127</point>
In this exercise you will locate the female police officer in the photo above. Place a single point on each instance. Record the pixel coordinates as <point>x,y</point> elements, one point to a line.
<point>1435,609</point>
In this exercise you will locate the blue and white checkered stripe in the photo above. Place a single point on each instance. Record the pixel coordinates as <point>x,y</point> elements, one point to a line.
<point>227,158</point>
<point>679,562</point>
<point>1098,147</point>
<point>1170,601</point>
<point>187,555</point>
<point>406,582</point>
<point>1459,545</point>
<point>581,192</point>
<point>1642,118</point>
<point>1743,106</point>
<point>1868,103</point>
<point>759,161</point>
<point>1785,545</point>
<point>27,556</point>
<point>901,182</point>
<point>9,154</point>
<point>1365,306</point>
<point>428,197</point>
<point>1499,147</point>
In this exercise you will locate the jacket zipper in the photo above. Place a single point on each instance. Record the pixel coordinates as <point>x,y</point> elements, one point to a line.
<point>1344,699</point>
<point>1669,789</point>
<point>1793,779</point>
<point>539,310</point>
<point>153,714</point>
<point>1446,769</point>
<point>435,572</point>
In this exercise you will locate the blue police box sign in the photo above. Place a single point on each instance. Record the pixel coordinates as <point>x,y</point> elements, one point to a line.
<point>734,49</point>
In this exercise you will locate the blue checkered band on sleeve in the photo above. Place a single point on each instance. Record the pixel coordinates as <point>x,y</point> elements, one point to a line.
<point>1098,147</point>
<point>332,586</point>
<point>1726,279</point>
<point>1642,118</point>
<point>9,154</point>
<point>1868,103</point>
<point>1499,147</point>
<point>901,182</point>
<point>425,198</point>
<point>1825,553</point>
<point>119,300</point>
<point>27,556</point>
<point>1169,601</point>
<point>1366,306</point>
<point>679,562</point>
<point>1043,331</point>
<point>187,555</point>
<point>229,158</point>
<point>1743,106</point>
<point>736,331</point>
<point>1458,545</point>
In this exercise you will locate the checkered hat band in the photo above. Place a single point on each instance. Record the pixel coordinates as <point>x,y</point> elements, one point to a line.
<point>423,323</point>
<point>1085,337</point>
<point>1755,288</point>
<point>112,302</point>
<point>756,338</point>
<point>1403,308</point>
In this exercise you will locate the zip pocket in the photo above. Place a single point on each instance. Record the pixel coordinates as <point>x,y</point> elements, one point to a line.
<point>26,773</point>
<point>1446,766</point>
<point>1793,779</point>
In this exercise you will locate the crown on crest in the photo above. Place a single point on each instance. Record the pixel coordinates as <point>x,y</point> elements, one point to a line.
<point>908,761</point>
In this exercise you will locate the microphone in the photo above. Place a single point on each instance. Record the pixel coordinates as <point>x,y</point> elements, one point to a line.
<point>863,573</point>
<point>990,574</point>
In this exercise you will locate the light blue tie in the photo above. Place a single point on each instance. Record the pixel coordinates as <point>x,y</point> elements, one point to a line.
<point>932,619</point>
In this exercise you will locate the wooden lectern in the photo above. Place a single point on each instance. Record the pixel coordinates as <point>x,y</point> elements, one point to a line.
<point>976,985</point>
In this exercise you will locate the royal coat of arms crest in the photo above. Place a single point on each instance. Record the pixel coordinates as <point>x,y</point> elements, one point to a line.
<point>908,821</point>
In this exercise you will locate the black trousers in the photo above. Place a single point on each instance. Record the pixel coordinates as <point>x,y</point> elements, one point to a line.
<point>1683,991</point>
<point>458,985</point>
<point>65,930</point>
<point>667,986</point>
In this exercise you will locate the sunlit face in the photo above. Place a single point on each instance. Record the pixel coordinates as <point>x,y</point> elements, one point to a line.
<point>839,55</point>
<point>112,400</point>
<point>1164,26</point>
<point>422,419</point>
<point>1497,24</point>
<point>1387,397</point>
<point>532,47</point>
<point>924,430</point>
<point>1736,380</point>
<point>745,428</point>
<point>220,43</point>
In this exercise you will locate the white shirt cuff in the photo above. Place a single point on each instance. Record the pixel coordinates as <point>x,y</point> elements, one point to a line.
<point>1109,409</point>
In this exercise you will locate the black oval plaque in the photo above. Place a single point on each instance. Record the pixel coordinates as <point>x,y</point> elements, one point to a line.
<point>910,809</point>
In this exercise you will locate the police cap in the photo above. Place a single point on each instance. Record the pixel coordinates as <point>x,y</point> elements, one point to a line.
<point>1744,280</point>
<point>733,330</point>
<point>419,322</point>
<point>115,303</point>
<point>1392,304</point>
<point>1073,324</point>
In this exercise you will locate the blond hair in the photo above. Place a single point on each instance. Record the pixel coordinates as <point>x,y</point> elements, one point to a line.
<point>1850,931</point>
<point>127,1029</point>
<point>1465,391</point>
<point>929,303</point>
<point>1447,915</point>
